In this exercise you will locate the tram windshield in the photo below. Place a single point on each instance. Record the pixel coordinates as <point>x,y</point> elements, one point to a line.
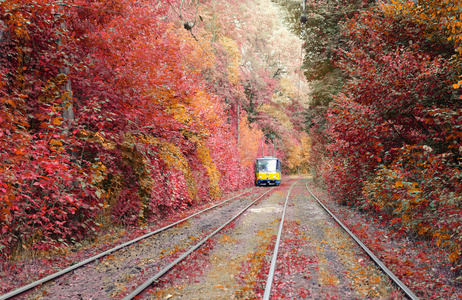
<point>267,165</point>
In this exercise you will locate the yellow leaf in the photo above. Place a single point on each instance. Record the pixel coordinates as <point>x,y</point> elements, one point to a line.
<point>399,184</point>
<point>57,121</point>
<point>55,142</point>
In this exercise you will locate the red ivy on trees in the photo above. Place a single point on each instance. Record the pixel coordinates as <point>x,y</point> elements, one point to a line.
<point>393,138</point>
<point>154,123</point>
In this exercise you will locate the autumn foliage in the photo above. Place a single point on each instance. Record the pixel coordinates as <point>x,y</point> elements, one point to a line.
<point>117,113</point>
<point>392,143</point>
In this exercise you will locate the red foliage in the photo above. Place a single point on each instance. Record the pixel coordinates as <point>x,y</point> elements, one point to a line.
<point>393,136</point>
<point>41,205</point>
<point>132,146</point>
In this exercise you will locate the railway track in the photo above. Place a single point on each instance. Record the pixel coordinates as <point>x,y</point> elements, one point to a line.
<point>376,260</point>
<point>197,238</point>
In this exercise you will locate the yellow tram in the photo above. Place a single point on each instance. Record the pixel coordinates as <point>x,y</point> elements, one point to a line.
<point>267,171</point>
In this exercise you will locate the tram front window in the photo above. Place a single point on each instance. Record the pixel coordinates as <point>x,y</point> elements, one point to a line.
<point>268,166</point>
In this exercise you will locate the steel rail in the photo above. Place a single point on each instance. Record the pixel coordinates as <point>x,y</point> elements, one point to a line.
<point>107,252</point>
<point>151,280</point>
<point>269,281</point>
<point>390,274</point>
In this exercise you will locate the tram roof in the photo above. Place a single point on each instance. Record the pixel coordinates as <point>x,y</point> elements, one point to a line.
<point>267,158</point>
